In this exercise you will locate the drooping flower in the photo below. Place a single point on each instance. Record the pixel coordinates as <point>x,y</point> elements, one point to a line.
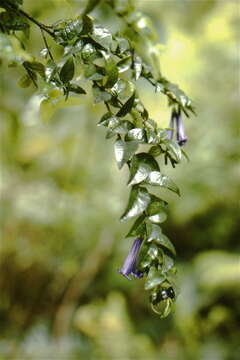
<point>180,132</point>
<point>129,267</point>
<point>181,136</point>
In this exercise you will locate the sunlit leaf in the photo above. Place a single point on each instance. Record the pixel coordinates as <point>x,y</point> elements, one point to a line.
<point>137,134</point>
<point>124,151</point>
<point>138,202</point>
<point>154,278</point>
<point>141,166</point>
<point>156,235</point>
<point>124,64</point>
<point>102,36</point>
<point>157,179</point>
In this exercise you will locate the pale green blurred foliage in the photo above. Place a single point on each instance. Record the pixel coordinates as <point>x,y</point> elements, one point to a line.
<point>61,242</point>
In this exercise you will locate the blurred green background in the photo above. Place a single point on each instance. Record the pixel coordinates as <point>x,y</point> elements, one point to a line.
<point>61,242</point>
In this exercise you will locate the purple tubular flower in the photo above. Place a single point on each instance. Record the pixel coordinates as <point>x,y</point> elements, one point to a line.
<point>129,266</point>
<point>181,136</point>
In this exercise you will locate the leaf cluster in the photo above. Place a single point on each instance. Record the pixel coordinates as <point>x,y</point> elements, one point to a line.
<point>112,65</point>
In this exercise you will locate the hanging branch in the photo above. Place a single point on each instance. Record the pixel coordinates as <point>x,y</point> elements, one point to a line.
<point>112,65</point>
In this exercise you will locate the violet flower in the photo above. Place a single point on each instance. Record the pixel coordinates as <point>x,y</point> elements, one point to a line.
<point>129,266</point>
<point>181,136</point>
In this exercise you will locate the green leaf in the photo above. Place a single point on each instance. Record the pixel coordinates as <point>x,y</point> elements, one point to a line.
<point>138,228</point>
<point>88,52</point>
<point>105,119</point>
<point>137,203</point>
<point>158,218</point>
<point>168,263</point>
<point>76,89</point>
<point>153,251</point>
<point>157,179</point>
<point>154,278</point>
<point>111,72</point>
<point>124,151</point>
<point>175,149</point>
<point>127,107</point>
<point>67,71</point>
<point>90,6</point>
<point>137,66</point>
<point>156,210</point>
<point>137,134</point>
<point>152,137</point>
<point>100,95</point>
<point>50,70</point>
<point>141,166</point>
<point>124,64</point>
<point>156,235</point>
<point>102,36</point>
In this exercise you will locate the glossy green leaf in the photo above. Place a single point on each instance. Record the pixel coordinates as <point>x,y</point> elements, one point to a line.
<point>154,279</point>
<point>138,228</point>
<point>175,149</point>
<point>152,137</point>
<point>67,71</point>
<point>157,179</point>
<point>137,134</point>
<point>50,70</point>
<point>127,107</point>
<point>105,119</point>
<point>168,263</point>
<point>153,251</point>
<point>157,210</point>
<point>138,202</point>
<point>124,151</point>
<point>156,235</point>
<point>141,166</point>
<point>124,64</point>
<point>137,66</point>
<point>88,52</point>
<point>102,36</point>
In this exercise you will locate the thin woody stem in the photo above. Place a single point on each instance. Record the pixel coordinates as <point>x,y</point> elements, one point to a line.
<point>42,26</point>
